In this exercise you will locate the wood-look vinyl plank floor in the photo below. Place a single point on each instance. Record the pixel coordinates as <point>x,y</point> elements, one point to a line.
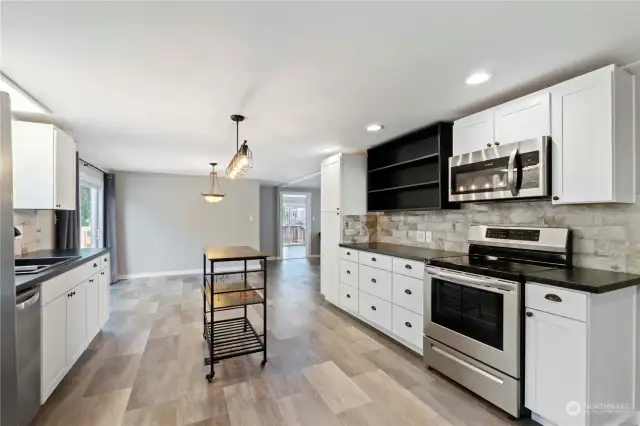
<point>325,368</point>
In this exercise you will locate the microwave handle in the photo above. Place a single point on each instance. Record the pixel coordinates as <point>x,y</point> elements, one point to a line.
<point>512,179</point>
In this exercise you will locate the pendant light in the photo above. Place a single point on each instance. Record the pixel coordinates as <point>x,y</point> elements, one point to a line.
<point>213,195</point>
<point>243,158</point>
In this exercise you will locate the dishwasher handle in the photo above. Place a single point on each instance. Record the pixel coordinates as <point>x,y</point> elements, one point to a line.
<point>23,301</point>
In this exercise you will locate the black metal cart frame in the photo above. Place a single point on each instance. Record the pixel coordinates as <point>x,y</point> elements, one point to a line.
<point>232,337</point>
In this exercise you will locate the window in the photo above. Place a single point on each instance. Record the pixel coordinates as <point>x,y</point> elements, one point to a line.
<point>91,209</point>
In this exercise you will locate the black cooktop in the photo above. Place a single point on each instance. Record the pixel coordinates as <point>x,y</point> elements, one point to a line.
<point>487,265</point>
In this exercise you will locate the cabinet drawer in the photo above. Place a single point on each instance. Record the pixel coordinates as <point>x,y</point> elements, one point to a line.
<point>59,285</point>
<point>407,325</point>
<point>349,273</point>
<point>375,281</point>
<point>105,261</point>
<point>407,292</point>
<point>410,268</point>
<point>375,310</point>
<point>349,298</point>
<point>379,261</point>
<point>348,254</point>
<point>570,304</point>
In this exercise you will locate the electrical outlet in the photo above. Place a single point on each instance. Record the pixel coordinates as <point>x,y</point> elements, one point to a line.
<point>427,235</point>
<point>420,237</point>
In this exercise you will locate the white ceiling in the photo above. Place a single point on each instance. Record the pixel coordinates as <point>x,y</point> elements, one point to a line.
<point>149,86</point>
<point>310,181</point>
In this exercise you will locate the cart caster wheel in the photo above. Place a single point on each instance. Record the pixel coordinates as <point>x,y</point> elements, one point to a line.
<point>210,377</point>
<point>263,363</point>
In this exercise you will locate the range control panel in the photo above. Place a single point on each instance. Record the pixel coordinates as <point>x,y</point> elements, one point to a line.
<point>513,234</point>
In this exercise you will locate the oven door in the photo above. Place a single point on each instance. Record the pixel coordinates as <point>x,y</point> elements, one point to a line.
<point>476,315</point>
<point>514,170</point>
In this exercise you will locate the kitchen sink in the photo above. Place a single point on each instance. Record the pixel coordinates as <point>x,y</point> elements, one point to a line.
<point>37,265</point>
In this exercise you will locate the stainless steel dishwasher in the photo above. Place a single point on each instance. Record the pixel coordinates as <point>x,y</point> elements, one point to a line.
<point>28,349</point>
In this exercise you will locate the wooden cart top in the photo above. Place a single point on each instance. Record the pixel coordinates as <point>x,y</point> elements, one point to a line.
<point>223,253</point>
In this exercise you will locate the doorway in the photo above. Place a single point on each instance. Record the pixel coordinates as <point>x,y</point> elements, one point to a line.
<point>91,212</point>
<point>294,229</point>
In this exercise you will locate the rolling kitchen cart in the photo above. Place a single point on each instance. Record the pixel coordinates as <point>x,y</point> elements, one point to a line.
<point>229,338</point>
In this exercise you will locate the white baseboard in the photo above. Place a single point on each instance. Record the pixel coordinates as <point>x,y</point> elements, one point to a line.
<point>273,258</point>
<point>229,268</point>
<point>314,255</point>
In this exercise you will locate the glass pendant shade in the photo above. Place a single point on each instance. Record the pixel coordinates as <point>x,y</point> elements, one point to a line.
<point>241,162</point>
<point>214,194</point>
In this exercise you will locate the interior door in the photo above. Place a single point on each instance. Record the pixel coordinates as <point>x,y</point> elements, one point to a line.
<point>525,118</point>
<point>330,186</point>
<point>64,153</point>
<point>76,321</point>
<point>329,252</point>
<point>473,133</point>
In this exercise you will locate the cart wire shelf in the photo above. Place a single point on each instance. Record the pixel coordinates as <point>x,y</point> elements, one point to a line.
<point>232,287</point>
<point>230,300</point>
<point>233,337</point>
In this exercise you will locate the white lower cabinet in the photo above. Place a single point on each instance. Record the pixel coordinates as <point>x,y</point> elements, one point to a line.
<point>579,356</point>
<point>407,325</point>
<point>384,291</point>
<point>72,314</point>
<point>54,345</point>
<point>374,309</point>
<point>349,298</point>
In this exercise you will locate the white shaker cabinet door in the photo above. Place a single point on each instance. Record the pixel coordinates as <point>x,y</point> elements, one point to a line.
<point>54,345</point>
<point>555,367</point>
<point>330,186</point>
<point>65,171</point>
<point>76,321</point>
<point>525,118</point>
<point>473,133</point>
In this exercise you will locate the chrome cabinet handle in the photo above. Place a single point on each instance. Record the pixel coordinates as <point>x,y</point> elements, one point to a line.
<point>408,324</point>
<point>348,253</point>
<point>373,259</point>
<point>488,145</point>
<point>373,280</point>
<point>348,296</point>
<point>95,265</point>
<point>373,308</point>
<point>407,291</point>
<point>529,314</point>
<point>553,297</point>
<point>407,266</point>
<point>496,143</point>
<point>90,281</point>
<point>348,272</point>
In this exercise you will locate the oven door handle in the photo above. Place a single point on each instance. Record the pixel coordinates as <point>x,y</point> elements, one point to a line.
<point>488,284</point>
<point>512,179</point>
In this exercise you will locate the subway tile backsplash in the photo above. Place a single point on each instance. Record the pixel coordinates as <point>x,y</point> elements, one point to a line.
<point>604,236</point>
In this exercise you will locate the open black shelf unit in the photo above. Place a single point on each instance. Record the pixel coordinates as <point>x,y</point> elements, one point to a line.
<point>232,337</point>
<point>410,172</point>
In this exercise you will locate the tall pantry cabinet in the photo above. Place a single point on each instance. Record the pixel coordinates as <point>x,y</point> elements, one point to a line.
<point>343,192</point>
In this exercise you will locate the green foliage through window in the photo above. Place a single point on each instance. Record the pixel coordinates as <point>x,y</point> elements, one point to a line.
<point>85,206</point>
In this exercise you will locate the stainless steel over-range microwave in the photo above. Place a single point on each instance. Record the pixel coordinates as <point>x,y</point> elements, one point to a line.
<point>514,170</point>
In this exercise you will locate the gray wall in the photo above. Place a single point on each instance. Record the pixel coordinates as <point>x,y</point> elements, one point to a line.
<point>269,218</point>
<point>163,221</point>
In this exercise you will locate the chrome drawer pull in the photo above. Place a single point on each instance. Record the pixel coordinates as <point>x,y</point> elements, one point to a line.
<point>348,272</point>
<point>407,291</point>
<point>407,266</point>
<point>373,259</point>
<point>408,324</point>
<point>373,280</point>
<point>348,253</point>
<point>373,308</point>
<point>348,296</point>
<point>553,297</point>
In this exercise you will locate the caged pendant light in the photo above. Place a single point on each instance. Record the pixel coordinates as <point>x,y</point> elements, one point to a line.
<point>243,159</point>
<point>213,195</point>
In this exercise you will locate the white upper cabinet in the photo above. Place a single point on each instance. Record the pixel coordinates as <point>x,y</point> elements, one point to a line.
<point>525,118</point>
<point>473,133</point>
<point>44,167</point>
<point>344,184</point>
<point>592,129</point>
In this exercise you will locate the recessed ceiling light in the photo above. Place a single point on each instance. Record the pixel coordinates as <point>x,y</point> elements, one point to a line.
<point>478,78</point>
<point>374,127</point>
<point>330,149</point>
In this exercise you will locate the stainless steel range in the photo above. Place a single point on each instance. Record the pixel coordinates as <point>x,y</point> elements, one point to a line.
<point>473,313</point>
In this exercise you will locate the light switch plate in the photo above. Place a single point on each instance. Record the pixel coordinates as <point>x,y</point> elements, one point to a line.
<point>420,236</point>
<point>427,235</point>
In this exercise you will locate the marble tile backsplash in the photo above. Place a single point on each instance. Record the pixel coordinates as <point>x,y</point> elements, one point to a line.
<point>38,230</point>
<point>604,236</point>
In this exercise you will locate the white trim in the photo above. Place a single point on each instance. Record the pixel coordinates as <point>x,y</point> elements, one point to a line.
<point>250,267</point>
<point>273,258</point>
<point>314,255</point>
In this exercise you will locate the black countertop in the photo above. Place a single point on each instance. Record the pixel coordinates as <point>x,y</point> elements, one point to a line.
<point>407,252</point>
<point>585,279</point>
<point>581,279</point>
<point>26,282</point>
